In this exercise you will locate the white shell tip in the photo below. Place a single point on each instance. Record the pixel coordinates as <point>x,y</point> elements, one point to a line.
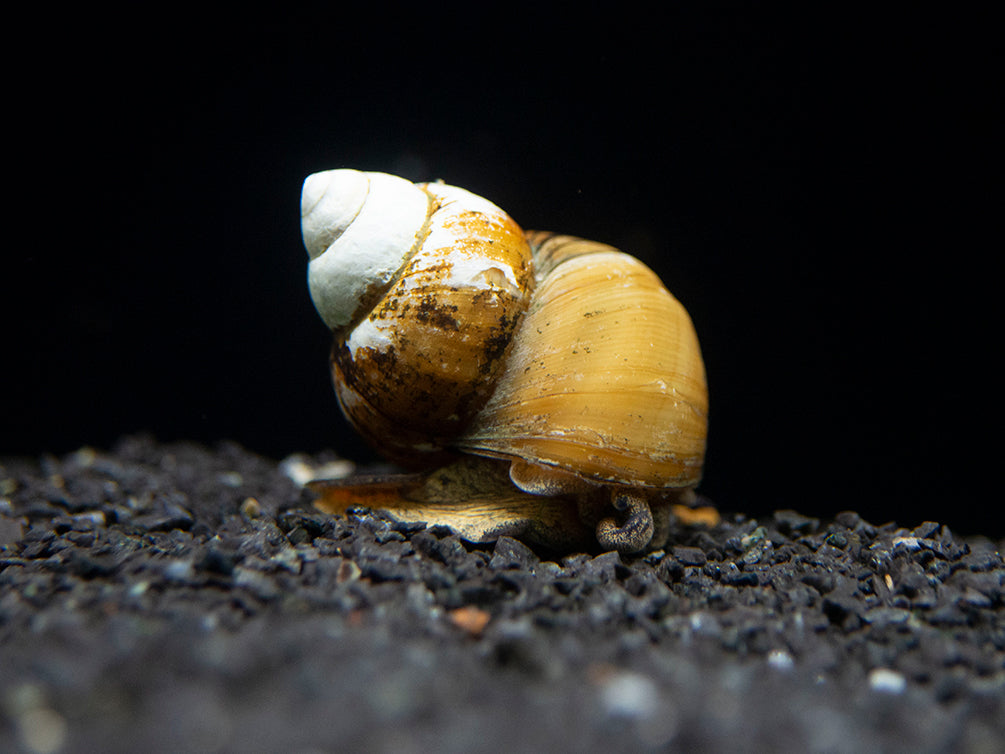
<point>358,229</point>
<point>330,200</point>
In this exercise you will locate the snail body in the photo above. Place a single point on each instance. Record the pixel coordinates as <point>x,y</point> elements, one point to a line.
<point>564,363</point>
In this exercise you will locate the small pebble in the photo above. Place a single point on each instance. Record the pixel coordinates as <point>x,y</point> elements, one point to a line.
<point>230,478</point>
<point>629,695</point>
<point>251,508</point>
<point>179,570</point>
<point>511,553</point>
<point>780,660</point>
<point>42,730</point>
<point>301,470</point>
<point>470,619</point>
<point>887,681</point>
<point>690,555</point>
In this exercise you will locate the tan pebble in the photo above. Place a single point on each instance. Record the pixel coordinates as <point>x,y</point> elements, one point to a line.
<point>251,507</point>
<point>470,619</point>
<point>691,516</point>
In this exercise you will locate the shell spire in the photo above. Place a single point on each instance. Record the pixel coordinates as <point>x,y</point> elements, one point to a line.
<point>424,286</point>
<point>358,228</point>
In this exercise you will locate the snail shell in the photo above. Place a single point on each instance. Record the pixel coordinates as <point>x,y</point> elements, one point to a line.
<point>455,331</point>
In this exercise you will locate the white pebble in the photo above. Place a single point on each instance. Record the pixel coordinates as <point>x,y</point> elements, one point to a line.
<point>886,680</point>
<point>629,695</point>
<point>299,469</point>
<point>230,478</point>
<point>780,660</point>
<point>178,570</point>
<point>42,730</point>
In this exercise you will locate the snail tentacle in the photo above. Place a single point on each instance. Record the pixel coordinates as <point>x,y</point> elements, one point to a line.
<point>637,530</point>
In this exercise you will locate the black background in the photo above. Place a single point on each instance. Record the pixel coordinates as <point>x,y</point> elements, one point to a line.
<point>813,188</point>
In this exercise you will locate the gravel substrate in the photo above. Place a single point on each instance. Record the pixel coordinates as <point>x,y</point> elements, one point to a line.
<point>179,598</point>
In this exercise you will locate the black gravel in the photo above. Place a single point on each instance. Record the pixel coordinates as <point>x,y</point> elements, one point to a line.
<point>178,598</point>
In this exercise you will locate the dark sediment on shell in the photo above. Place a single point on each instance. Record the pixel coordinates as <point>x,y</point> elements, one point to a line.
<point>146,603</point>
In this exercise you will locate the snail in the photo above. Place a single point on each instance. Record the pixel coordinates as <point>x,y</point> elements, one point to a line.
<point>554,383</point>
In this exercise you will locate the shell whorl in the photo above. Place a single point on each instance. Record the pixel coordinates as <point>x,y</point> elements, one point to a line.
<point>423,286</point>
<point>358,228</point>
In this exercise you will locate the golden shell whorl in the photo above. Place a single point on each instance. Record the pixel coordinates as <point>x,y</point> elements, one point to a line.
<point>414,371</point>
